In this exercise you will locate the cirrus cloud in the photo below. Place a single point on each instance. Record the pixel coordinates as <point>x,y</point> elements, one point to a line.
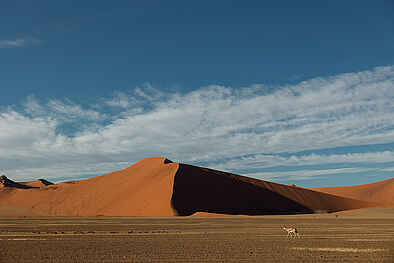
<point>222,127</point>
<point>19,42</point>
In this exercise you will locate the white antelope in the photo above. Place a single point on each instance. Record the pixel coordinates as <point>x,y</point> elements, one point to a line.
<point>292,232</point>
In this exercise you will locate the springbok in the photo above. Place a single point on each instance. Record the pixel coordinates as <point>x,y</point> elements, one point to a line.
<point>292,232</point>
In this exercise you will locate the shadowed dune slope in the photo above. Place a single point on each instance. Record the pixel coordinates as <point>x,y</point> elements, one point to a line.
<point>379,192</point>
<point>5,182</point>
<point>159,187</point>
<point>199,189</point>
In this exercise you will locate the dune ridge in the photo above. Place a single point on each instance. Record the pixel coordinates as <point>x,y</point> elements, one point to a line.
<point>36,183</point>
<point>379,192</point>
<point>158,187</point>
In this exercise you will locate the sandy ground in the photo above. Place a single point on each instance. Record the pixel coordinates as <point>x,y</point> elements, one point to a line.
<point>364,237</point>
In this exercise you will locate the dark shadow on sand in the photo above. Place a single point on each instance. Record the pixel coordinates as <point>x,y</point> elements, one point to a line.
<point>4,181</point>
<point>204,190</point>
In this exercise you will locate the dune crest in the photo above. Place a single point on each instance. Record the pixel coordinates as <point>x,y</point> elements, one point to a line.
<point>380,192</point>
<point>158,187</point>
<point>37,183</point>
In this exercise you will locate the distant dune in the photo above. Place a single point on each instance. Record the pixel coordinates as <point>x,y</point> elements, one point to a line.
<point>37,183</point>
<point>159,187</point>
<point>379,192</point>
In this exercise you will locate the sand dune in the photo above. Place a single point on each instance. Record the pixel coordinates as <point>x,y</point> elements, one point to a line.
<point>5,182</point>
<point>142,189</point>
<point>379,192</point>
<point>199,189</point>
<point>36,183</point>
<point>159,187</point>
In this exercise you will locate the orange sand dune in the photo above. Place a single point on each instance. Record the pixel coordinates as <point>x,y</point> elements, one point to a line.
<point>159,187</point>
<point>36,183</point>
<point>142,189</point>
<point>379,192</point>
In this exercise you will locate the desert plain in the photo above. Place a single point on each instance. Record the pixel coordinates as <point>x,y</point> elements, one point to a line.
<point>160,211</point>
<point>365,235</point>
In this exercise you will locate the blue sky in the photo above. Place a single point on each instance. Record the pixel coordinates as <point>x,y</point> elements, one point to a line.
<point>289,91</point>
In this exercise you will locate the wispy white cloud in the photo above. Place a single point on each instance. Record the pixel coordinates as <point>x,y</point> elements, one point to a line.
<point>33,107</point>
<point>66,171</point>
<point>19,42</point>
<point>313,159</point>
<point>138,98</point>
<point>148,93</point>
<point>12,43</point>
<point>61,110</point>
<point>21,135</point>
<point>306,174</point>
<point>209,125</point>
<point>69,111</point>
<point>120,100</point>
